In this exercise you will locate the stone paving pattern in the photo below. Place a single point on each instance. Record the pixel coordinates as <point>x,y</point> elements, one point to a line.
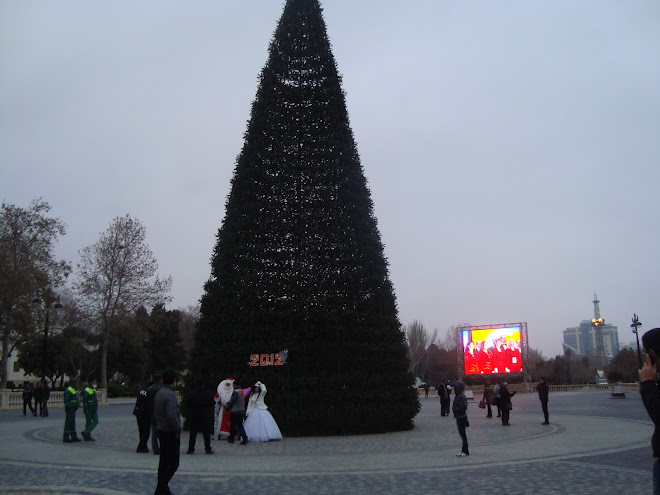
<point>595,445</point>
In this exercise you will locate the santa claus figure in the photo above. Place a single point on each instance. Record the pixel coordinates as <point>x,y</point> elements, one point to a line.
<point>225,389</point>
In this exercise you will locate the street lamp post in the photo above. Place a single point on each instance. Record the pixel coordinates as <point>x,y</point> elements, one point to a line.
<point>636,323</point>
<point>57,305</point>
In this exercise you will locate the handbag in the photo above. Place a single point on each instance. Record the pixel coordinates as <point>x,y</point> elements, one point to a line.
<point>482,404</point>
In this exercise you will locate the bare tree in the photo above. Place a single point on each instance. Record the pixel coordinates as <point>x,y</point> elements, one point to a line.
<point>28,268</point>
<point>418,340</point>
<point>116,276</point>
<point>450,341</point>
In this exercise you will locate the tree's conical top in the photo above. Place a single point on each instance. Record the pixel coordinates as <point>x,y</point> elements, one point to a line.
<point>298,262</point>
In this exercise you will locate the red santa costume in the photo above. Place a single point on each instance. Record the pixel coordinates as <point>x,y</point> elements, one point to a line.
<point>225,389</point>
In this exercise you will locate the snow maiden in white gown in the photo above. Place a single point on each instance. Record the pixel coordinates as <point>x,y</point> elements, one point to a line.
<point>260,426</point>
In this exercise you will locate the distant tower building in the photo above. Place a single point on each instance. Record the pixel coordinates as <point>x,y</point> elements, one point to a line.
<point>593,337</point>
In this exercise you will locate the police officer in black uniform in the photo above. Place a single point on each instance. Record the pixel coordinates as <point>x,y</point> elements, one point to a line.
<point>141,413</point>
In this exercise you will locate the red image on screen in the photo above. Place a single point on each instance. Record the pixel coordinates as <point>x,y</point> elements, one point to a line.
<point>491,350</point>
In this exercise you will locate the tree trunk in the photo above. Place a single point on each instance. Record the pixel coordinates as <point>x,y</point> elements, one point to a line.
<point>104,360</point>
<point>4,369</point>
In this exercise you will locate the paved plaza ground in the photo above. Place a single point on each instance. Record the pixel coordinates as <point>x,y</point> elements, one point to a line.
<point>594,445</point>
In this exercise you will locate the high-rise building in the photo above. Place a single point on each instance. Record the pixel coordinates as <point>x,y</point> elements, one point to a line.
<point>593,338</point>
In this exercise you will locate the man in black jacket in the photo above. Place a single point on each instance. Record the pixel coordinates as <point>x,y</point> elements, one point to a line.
<point>39,398</point>
<point>141,413</point>
<point>648,377</point>
<point>542,389</point>
<point>199,406</point>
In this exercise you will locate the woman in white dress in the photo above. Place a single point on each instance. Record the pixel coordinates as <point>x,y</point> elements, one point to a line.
<point>260,425</point>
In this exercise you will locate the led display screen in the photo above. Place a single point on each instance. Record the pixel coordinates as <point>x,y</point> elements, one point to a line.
<point>489,350</point>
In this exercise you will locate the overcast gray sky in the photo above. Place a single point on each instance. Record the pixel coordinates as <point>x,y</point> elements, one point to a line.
<point>511,148</point>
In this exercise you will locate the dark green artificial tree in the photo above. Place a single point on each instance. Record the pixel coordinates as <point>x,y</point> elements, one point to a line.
<point>298,263</point>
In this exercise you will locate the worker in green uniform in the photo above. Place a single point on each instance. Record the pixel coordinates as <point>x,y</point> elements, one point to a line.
<point>70,408</point>
<point>90,406</point>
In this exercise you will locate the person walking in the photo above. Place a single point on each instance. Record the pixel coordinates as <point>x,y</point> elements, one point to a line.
<point>141,413</point>
<point>459,408</point>
<point>488,398</point>
<point>236,407</point>
<point>46,397</point>
<point>168,429</point>
<point>505,403</point>
<point>70,408</point>
<point>39,398</point>
<point>151,395</point>
<point>200,404</point>
<point>28,394</point>
<point>496,391</point>
<point>445,400</point>
<point>90,407</point>
<point>543,390</point>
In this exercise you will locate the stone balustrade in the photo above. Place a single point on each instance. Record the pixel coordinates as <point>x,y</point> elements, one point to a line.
<point>13,399</point>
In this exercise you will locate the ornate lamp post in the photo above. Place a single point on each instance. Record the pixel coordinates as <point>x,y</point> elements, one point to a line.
<point>56,305</point>
<point>636,323</point>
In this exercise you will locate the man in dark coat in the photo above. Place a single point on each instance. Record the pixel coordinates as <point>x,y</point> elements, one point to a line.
<point>650,390</point>
<point>543,390</point>
<point>199,405</point>
<point>236,406</point>
<point>151,394</point>
<point>28,393</point>
<point>505,403</point>
<point>168,429</point>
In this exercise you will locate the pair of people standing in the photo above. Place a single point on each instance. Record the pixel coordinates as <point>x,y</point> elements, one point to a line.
<point>90,407</point>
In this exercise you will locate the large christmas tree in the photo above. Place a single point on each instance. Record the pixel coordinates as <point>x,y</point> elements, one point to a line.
<point>299,263</point>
